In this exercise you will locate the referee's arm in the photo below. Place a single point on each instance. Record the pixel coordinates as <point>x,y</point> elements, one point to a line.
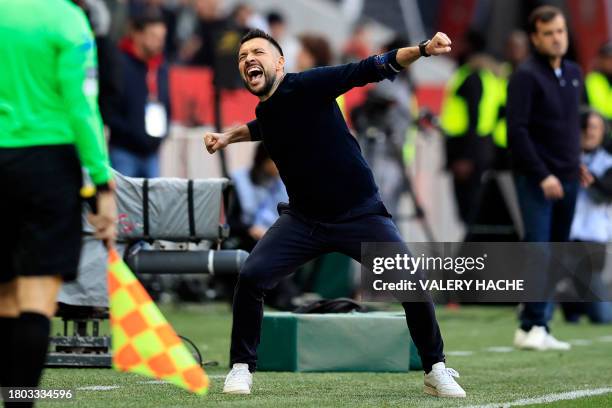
<point>78,83</point>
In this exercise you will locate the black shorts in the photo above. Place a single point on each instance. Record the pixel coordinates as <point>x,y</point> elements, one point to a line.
<point>40,209</point>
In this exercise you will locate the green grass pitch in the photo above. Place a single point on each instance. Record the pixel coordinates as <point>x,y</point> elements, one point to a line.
<point>474,341</point>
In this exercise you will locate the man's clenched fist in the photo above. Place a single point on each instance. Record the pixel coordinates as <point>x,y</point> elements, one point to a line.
<point>439,44</point>
<point>215,141</point>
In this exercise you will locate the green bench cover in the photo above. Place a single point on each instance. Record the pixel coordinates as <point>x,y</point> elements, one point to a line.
<point>374,342</point>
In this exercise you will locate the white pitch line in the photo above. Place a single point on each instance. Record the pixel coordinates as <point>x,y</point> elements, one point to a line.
<point>546,399</point>
<point>99,388</point>
<point>580,342</point>
<point>499,349</point>
<point>158,382</point>
<point>459,353</point>
<point>150,382</point>
<point>606,339</point>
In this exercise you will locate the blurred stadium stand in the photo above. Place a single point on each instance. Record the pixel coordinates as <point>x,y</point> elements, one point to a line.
<point>192,93</point>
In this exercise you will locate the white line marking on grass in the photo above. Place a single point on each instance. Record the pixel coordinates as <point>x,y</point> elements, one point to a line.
<point>545,399</point>
<point>605,339</point>
<point>149,382</point>
<point>160,382</point>
<point>580,342</point>
<point>500,349</point>
<point>459,353</point>
<point>99,388</point>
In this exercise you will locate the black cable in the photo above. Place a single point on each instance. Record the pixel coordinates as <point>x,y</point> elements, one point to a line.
<point>191,343</point>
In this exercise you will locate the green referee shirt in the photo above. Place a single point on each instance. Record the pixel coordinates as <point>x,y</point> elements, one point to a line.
<point>48,81</point>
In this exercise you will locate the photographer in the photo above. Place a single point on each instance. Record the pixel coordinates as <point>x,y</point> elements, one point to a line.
<point>592,220</point>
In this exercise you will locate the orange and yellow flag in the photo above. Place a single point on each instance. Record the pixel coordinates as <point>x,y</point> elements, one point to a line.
<point>142,340</point>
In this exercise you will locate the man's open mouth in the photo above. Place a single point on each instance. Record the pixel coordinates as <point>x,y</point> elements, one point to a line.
<point>254,73</point>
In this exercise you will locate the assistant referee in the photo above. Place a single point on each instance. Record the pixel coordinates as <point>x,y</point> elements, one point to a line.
<point>50,128</point>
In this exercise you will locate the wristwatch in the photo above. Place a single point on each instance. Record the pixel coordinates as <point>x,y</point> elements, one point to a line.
<point>422,49</point>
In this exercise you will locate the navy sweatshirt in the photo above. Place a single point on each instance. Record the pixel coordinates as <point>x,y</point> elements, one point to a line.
<point>127,120</point>
<point>304,131</point>
<point>543,119</point>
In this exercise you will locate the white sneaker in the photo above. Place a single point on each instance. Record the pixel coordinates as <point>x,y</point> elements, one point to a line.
<point>539,339</point>
<point>519,338</point>
<point>239,380</point>
<point>535,339</point>
<point>554,344</point>
<point>440,382</point>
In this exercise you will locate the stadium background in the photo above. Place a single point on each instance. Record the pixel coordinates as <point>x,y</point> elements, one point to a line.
<point>472,333</point>
<point>590,26</point>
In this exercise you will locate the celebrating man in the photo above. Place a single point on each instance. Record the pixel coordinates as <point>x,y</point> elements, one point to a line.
<point>334,202</point>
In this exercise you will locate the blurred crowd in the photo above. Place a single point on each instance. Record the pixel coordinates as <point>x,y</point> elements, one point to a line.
<point>139,39</point>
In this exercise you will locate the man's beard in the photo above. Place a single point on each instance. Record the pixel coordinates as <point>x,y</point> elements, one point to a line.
<point>556,51</point>
<point>270,80</point>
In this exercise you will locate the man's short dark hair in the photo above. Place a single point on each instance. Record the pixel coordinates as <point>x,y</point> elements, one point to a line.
<point>542,14</point>
<point>147,18</point>
<point>256,33</point>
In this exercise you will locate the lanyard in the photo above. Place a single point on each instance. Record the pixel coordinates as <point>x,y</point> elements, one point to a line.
<point>152,82</point>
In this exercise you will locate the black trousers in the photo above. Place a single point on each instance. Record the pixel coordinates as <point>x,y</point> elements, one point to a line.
<point>468,194</point>
<point>294,240</point>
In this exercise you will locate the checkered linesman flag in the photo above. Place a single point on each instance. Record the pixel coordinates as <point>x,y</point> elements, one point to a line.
<point>143,341</point>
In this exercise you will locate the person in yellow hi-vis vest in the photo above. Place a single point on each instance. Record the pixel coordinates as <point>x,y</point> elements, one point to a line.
<point>499,219</point>
<point>517,51</point>
<point>469,115</point>
<point>598,83</point>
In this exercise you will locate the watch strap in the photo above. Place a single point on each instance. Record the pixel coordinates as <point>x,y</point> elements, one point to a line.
<point>422,48</point>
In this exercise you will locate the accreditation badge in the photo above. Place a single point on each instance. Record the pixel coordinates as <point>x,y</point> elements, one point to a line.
<point>156,119</point>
